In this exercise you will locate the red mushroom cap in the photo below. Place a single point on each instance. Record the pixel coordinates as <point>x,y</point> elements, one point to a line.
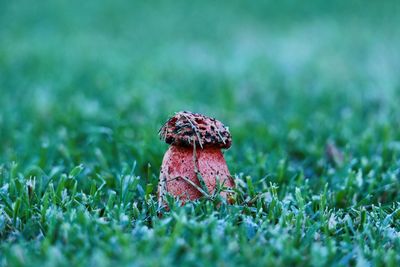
<point>187,128</point>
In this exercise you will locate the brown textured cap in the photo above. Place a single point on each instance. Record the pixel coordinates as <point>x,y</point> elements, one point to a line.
<point>186,127</point>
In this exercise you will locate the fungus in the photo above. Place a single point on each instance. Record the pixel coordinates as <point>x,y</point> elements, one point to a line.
<point>194,164</point>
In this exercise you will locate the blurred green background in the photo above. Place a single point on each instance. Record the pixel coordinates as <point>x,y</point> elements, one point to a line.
<point>90,75</point>
<point>91,82</point>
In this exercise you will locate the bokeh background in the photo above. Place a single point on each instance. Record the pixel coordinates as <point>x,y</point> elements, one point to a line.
<point>91,82</point>
<point>310,90</point>
<point>100,78</point>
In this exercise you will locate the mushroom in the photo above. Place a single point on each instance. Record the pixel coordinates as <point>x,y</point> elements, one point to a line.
<point>194,164</point>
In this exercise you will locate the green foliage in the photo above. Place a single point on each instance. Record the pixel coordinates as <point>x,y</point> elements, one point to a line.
<point>310,94</point>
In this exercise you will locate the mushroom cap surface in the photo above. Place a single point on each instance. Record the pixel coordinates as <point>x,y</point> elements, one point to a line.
<point>187,128</point>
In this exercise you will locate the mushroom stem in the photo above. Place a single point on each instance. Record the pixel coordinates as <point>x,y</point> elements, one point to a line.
<point>180,162</point>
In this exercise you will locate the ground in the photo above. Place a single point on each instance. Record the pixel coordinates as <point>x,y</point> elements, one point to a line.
<point>311,94</point>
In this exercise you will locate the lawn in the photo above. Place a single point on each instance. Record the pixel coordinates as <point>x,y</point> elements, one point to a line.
<point>310,92</point>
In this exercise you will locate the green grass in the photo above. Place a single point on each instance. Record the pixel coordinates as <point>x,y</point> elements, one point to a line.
<point>311,94</point>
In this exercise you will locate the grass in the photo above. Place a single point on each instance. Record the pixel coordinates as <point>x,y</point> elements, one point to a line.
<point>310,94</point>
